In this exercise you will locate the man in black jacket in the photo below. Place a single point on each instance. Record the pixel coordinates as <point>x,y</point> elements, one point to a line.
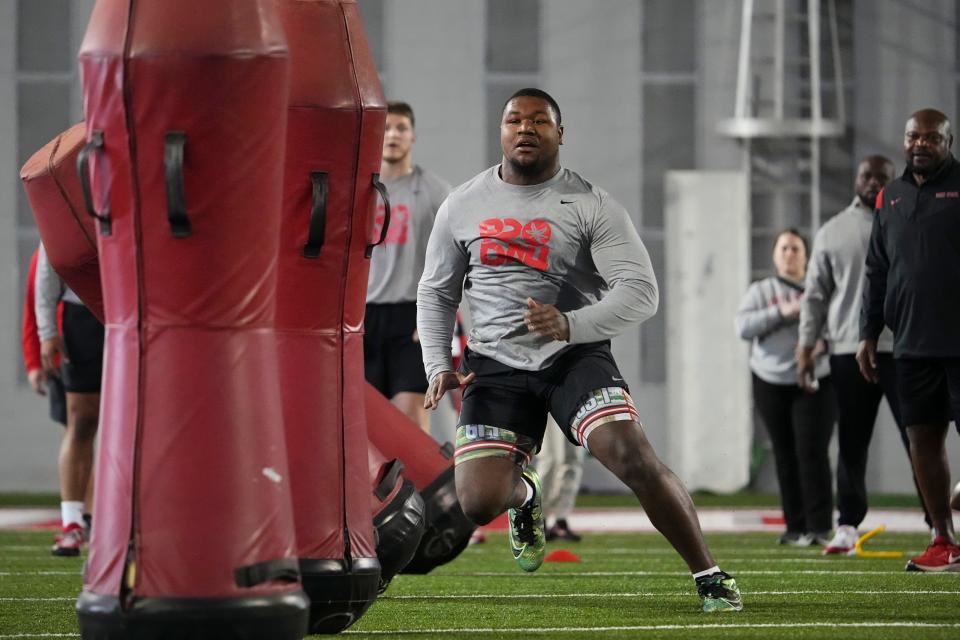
<point>913,285</point>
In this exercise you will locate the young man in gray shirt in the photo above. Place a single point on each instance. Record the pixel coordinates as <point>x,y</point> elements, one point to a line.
<point>552,268</point>
<point>393,362</point>
<point>830,309</point>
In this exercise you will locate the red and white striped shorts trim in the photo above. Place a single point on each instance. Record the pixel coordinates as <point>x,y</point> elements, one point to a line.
<point>602,415</point>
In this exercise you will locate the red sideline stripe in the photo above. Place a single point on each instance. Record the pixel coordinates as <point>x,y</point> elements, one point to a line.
<point>772,520</point>
<point>50,525</point>
<point>500,523</point>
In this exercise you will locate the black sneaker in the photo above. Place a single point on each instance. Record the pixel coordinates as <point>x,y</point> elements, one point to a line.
<point>561,531</point>
<point>719,592</point>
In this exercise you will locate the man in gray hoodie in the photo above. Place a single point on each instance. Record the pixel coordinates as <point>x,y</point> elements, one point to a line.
<point>551,268</point>
<point>831,310</point>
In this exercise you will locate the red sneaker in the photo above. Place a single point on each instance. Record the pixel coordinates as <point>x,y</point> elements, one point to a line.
<point>69,541</point>
<point>941,555</point>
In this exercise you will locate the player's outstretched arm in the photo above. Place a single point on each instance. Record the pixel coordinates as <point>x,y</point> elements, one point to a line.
<point>443,382</point>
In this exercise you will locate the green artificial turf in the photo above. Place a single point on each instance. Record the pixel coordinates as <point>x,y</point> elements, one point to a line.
<point>626,586</point>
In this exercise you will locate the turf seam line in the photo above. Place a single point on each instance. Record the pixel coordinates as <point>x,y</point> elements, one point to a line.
<point>660,627</point>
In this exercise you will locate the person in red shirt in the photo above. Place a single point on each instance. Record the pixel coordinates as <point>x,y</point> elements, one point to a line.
<point>40,382</point>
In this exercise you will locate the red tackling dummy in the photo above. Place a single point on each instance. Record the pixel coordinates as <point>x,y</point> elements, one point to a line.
<point>69,235</point>
<point>336,115</point>
<point>186,115</point>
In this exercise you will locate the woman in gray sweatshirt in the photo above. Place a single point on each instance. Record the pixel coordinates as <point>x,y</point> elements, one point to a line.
<point>800,423</point>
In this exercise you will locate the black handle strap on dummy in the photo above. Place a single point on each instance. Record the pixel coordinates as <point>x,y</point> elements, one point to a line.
<point>253,574</point>
<point>389,480</point>
<point>379,186</point>
<point>447,450</point>
<point>318,215</point>
<point>83,168</point>
<point>173,144</point>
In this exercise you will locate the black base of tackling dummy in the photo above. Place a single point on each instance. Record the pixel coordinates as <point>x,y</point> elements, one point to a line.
<point>399,527</point>
<point>275,616</point>
<point>339,594</point>
<point>448,530</point>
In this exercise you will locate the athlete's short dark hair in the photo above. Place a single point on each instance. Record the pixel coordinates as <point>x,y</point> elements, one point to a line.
<point>402,109</point>
<point>536,93</point>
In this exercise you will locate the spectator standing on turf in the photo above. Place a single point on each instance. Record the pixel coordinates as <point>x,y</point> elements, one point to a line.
<point>552,268</point>
<point>913,286</point>
<point>40,382</point>
<point>80,350</point>
<point>393,361</point>
<point>560,465</point>
<point>830,309</point>
<point>800,422</point>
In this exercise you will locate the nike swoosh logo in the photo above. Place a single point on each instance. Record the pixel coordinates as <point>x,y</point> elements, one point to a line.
<point>568,202</point>
<point>952,559</point>
<point>617,379</point>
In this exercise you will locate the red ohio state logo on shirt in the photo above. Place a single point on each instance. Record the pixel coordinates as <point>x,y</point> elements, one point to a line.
<point>399,224</point>
<point>505,239</point>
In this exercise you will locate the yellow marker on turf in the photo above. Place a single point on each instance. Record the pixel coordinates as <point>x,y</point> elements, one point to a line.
<point>862,553</point>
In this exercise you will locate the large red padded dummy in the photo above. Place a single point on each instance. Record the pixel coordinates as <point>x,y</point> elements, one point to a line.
<point>186,114</point>
<point>336,119</point>
<point>70,236</point>
<point>397,508</point>
<point>430,467</point>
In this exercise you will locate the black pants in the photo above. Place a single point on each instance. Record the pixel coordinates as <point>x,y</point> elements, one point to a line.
<point>857,405</point>
<point>800,425</point>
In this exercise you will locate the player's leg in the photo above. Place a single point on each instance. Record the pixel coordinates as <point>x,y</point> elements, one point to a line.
<point>501,426</point>
<point>774,405</point>
<point>622,447</point>
<point>403,358</point>
<point>491,477</point>
<point>568,471</point>
<point>857,402</point>
<point>81,374</point>
<point>75,465</point>
<point>813,417</point>
<point>924,402</point>
<point>548,463</point>
<point>604,420</point>
<point>887,370</point>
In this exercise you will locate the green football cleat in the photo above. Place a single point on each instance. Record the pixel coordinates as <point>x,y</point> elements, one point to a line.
<point>527,538</point>
<point>719,592</point>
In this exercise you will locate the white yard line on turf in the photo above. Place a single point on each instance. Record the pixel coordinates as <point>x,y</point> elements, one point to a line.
<point>645,594</point>
<point>660,627</point>
<point>41,573</point>
<point>653,594</point>
<point>40,635</point>
<point>588,574</point>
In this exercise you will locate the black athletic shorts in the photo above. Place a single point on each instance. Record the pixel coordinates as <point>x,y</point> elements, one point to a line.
<point>392,360</point>
<point>929,390</point>
<point>83,341</point>
<point>582,386</point>
<point>58,400</point>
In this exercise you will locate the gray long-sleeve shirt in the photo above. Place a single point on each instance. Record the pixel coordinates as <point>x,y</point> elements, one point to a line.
<point>395,267</point>
<point>49,289</point>
<point>830,308</point>
<point>773,337</point>
<point>564,242</point>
